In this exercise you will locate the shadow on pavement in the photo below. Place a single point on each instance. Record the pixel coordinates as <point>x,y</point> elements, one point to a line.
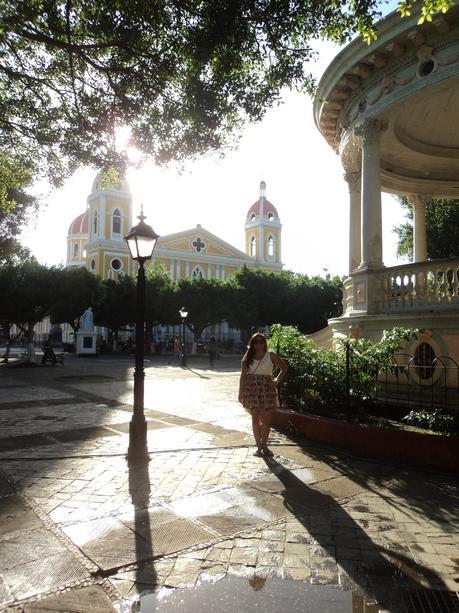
<point>378,572</point>
<point>195,372</point>
<point>139,489</point>
<point>415,487</point>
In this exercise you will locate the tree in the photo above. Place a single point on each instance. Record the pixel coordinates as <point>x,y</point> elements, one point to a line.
<point>263,298</point>
<point>16,206</point>
<point>7,290</point>
<point>442,228</point>
<point>117,307</point>
<point>30,290</point>
<point>183,75</point>
<point>13,253</point>
<point>206,301</point>
<point>314,301</point>
<point>159,301</point>
<point>78,289</point>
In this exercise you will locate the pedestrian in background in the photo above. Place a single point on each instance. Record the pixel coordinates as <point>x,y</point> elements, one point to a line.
<point>212,350</point>
<point>258,390</point>
<point>177,350</point>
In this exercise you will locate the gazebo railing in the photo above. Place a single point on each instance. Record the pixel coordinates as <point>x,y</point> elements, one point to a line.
<point>421,285</point>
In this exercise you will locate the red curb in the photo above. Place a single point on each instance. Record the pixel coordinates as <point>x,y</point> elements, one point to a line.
<point>426,450</point>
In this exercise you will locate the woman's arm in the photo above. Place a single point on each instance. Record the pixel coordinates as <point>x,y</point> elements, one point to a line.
<point>281,365</point>
<point>242,381</point>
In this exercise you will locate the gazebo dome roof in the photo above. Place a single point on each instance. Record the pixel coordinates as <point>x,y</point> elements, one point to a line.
<point>403,87</point>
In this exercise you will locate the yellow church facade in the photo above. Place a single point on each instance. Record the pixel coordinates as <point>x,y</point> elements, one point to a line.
<point>96,240</point>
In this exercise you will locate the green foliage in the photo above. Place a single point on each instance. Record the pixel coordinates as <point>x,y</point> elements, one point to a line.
<point>317,377</point>
<point>12,253</point>
<point>78,289</point>
<point>16,206</point>
<point>260,298</point>
<point>110,178</point>
<point>28,291</point>
<point>428,10</point>
<point>435,420</point>
<point>205,300</point>
<point>159,296</point>
<point>184,76</point>
<point>442,226</point>
<point>117,306</point>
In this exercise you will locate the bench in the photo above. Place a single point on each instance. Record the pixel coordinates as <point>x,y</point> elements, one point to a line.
<point>50,357</point>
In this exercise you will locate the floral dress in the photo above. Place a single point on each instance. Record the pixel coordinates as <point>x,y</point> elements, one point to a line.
<point>259,390</point>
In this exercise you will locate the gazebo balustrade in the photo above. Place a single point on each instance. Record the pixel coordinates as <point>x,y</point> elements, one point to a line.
<point>419,286</point>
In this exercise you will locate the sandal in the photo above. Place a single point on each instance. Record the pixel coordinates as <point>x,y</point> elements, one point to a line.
<point>258,453</point>
<point>267,451</point>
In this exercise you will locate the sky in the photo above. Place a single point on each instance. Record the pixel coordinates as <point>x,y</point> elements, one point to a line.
<point>304,181</point>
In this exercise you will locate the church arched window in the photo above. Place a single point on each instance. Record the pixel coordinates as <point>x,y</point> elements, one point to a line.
<point>270,247</point>
<point>75,249</point>
<point>116,222</point>
<point>197,273</point>
<point>95,223</point>
<point>253,246</point>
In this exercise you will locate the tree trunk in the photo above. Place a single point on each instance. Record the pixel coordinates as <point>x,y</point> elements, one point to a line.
<point>6,355</point>
<point>7,327</point>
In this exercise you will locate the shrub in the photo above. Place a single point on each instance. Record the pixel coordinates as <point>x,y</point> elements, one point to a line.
<point>318,378</point>
<point>431,420</point>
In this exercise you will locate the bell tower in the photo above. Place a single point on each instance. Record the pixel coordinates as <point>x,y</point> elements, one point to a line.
<point>109,220</point>
<point>263,231</point>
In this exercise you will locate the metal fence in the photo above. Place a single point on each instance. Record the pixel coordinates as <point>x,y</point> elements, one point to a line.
<point>420,383</point>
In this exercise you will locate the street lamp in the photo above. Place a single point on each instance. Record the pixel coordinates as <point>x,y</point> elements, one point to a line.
<point>183,314</point>
<point>141,241</point>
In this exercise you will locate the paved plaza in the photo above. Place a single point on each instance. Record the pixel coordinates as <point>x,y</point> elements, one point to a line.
<point>205,526</point>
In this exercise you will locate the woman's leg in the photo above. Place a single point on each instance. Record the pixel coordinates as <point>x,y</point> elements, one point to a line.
<point>265,417</point>
<point>256,427</point>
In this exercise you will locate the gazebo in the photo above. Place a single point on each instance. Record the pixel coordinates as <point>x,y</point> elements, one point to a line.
<point>390,110</point>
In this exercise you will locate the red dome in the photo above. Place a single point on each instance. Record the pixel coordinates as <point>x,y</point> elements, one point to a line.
<point>80,225</point>
<point>268,207</point>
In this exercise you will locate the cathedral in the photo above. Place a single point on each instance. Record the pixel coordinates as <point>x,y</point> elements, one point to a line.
<point>96,240</point>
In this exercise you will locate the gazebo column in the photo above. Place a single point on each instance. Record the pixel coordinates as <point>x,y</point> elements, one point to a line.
<point>367,283</point>
<point>370,131</point>
<point>353,182</point>
<point>419,227</point>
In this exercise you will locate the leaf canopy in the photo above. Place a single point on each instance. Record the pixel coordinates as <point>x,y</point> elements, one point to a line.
<point>183,75</point>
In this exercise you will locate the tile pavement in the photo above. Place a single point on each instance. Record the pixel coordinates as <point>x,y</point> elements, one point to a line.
<point>80,531</point>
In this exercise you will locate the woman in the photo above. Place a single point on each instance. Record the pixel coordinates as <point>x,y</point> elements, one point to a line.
<point>258,390</point>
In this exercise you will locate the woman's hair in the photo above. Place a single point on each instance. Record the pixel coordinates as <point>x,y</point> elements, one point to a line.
<point>250,353</point>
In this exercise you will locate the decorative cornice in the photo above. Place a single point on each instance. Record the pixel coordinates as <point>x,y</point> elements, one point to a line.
<point>400,42</point>
<point>370,130</point>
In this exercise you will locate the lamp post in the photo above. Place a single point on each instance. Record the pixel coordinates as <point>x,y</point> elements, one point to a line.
<point>141,241</point>
<point>183,314</point>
